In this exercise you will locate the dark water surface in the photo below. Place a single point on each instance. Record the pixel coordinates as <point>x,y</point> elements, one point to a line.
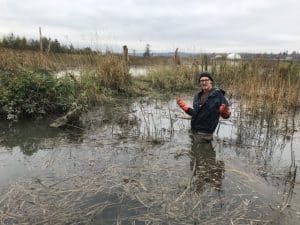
<point>138,163</point>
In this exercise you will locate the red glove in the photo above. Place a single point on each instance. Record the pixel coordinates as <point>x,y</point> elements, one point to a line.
<point>182,104</point>
<point>224,111</point>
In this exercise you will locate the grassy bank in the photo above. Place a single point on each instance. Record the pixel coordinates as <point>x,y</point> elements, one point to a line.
<point>30,88</point>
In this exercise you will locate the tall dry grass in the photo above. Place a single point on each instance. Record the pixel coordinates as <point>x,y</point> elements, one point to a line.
<point>172,78</point>
<point>263,84</point>
<point>12,60</point>
<point>109,76</point>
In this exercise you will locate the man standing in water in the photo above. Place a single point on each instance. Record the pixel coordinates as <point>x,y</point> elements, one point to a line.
<point>208,105</point>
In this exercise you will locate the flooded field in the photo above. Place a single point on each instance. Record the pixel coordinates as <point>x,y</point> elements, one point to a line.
<point>137,163</point>
<point>133,70</point>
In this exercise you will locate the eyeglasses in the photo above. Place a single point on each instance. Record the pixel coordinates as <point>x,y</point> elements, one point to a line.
<point>204,80</point>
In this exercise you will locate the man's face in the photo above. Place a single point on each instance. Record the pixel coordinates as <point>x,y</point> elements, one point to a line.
<point>205,84</point>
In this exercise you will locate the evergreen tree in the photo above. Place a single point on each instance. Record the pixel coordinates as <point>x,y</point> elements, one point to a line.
<point>147,51</point>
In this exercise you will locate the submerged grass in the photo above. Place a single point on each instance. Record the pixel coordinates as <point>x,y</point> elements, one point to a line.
<point>131,200</point>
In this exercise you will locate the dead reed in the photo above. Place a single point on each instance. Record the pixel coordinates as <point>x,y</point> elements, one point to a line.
<point>14,60</point>
<point>262,84</point>
<point>148,200</point>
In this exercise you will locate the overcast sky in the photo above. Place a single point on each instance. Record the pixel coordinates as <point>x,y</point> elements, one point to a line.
<point>190,25</point>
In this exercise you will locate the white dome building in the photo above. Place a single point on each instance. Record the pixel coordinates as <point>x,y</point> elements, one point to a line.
<point>218,56</point>
<point>233,56</point>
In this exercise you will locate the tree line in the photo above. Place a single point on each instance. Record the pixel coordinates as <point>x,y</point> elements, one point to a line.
<point>22,43</point>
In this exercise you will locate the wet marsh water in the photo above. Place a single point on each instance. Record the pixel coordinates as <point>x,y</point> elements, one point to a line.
<point>137,163</point>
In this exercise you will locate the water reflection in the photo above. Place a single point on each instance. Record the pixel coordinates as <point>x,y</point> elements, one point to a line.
<point>206,168</point>
<point>267,141</point>
<point>138,70</point>
<point>31,136</point>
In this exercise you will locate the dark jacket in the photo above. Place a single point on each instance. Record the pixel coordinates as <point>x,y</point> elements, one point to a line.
<point>205,117</point>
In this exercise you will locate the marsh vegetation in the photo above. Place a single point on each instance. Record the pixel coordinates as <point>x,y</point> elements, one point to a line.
<point>131,159</point>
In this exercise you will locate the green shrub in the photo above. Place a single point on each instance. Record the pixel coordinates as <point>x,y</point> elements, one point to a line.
<point>32,94</point>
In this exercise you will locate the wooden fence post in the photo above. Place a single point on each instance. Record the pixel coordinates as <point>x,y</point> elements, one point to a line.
<point>176,57</point>
<point>41,42</point>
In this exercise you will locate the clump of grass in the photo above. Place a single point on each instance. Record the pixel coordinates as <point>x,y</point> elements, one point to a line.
<point>172,78</point>
<point>113,73</point>
<point>90,90</point>
<point>109,77</point>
